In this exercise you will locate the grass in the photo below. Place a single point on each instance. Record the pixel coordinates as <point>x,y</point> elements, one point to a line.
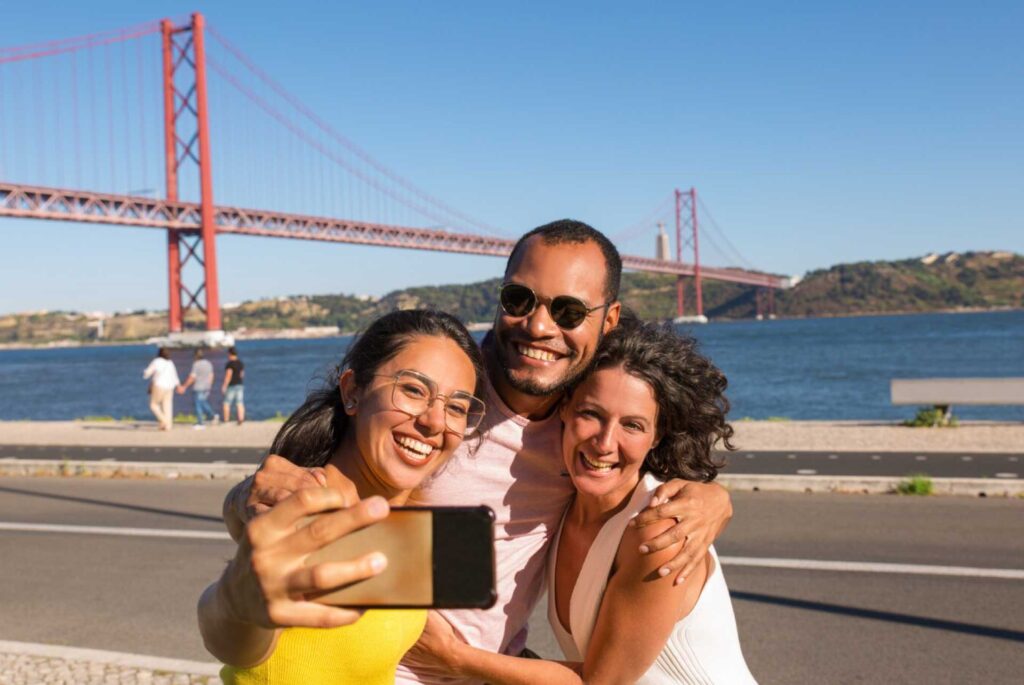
<point>185,418</point>
<point>915,484</point>
<point>931,417</point>
<point>278,417</point>
<point>777,419</point>
<point>97,419</point>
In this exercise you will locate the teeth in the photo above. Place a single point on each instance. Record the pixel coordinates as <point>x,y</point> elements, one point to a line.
<point>420,448</point>
<point>596,465</point>
<point>534,353</point>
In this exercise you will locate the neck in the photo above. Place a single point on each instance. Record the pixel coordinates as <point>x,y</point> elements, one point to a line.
<point>588,509</point>
<point>533,407</point>
<point>349,460</point>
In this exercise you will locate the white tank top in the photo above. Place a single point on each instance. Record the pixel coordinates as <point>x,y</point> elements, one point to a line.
<point>703,648</point>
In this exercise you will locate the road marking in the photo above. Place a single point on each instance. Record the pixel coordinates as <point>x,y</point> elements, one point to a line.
<point>873,567</point>
<point>806,472</point>
<point>760,562</point>
<point>110,530</point>
<point>920,457</point>
<point>833,456</point>
<point>1013,459</point>
<point>108,459</point>
<point>750,456</point>
<point>966,458</point>
<point>875,457</point>
<point>1006,475</point>
<point>219,461</point>
<point>790,456</point>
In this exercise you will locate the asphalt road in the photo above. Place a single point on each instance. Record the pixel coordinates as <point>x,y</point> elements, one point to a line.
<point>137,593</point>
<point>897,464</point>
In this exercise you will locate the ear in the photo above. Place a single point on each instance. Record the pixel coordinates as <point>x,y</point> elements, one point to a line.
<point>349,391</point>
<point>611,318</point>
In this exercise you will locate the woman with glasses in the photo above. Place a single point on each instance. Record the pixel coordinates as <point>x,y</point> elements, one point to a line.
<point>390,415</point>
<point>651,409</point>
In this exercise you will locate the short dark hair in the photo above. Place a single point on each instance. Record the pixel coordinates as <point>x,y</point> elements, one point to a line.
<point>572,231</point>
<point>163,353</point>
<point>198,354</point>
<point>232,351</point>
<point>688,388</point>
<point>312,434</point>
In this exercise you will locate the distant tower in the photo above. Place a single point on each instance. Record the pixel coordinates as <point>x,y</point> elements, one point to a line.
<point>661,250</point>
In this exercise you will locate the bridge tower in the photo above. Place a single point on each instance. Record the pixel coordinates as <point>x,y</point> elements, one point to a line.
<point>686,202</point>
<point>187,140</point>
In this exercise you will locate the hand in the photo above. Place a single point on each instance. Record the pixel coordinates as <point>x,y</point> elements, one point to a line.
<point>276,480</point>
<point>268,582</point>
<point>180,390</point>
<point>701,511</point>
<point>438,645</point>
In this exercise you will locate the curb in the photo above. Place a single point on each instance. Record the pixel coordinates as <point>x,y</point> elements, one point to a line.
<point>152,663</point>
<point>11,466</point>
<point>973,487</point>
<point>873,485</point>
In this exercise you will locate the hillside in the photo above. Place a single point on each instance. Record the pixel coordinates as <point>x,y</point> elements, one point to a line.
<point>950,282</point>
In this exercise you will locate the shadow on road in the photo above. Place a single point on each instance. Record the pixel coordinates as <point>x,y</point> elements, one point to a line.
<point>113,505</point>
<point>920,621</point>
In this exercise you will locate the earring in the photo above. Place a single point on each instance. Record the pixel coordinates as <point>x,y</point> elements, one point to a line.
<point>350,404</point>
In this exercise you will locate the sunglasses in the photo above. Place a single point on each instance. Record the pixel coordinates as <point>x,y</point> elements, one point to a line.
<point>566,311</point>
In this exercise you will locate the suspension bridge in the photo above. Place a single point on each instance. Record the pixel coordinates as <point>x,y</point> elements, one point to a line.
<point>90,126</point>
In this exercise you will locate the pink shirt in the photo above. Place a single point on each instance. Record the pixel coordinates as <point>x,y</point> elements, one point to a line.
<point>515,468</point>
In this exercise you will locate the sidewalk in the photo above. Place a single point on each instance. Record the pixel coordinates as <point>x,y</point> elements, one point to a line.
<point>29,663</point>
<point>836,436</point>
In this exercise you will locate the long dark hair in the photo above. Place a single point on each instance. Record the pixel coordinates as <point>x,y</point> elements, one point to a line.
<point>312,434</point>
<point>688,388</point>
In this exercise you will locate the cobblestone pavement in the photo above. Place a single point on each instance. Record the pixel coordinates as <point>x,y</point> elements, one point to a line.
<point>29,669</point>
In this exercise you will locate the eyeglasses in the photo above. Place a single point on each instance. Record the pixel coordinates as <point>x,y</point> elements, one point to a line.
<point>414,393</point>
<point>566,311</point>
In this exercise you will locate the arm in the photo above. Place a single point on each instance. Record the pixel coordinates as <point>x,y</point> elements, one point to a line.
<point>150,370</point>
<point>276,479</point>
<point>227,379</point>
<point>188,382</point>
<point>264,587</point>
<point>701,512</point>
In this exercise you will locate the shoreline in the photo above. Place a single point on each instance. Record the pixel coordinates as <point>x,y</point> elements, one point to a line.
<point>771,436</point>
<point>302,334</point>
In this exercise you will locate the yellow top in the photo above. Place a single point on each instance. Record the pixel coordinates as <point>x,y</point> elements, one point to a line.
<point>364,653</point>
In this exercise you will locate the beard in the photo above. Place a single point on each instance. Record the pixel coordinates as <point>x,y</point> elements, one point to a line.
<point>578,368</point>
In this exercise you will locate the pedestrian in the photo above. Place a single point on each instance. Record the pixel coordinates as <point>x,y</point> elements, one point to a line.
<point>164,379</point>
<point>200,378</point>
<point>232,389</point>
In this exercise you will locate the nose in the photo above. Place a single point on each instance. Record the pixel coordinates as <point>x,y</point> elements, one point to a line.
<point>433,418</point>
<point>605,441</point>
<point>539,323</point>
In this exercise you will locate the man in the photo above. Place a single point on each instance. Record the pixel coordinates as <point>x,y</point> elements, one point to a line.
<point>200,378</point>
<point>559,297</point>
<point>232,388</point>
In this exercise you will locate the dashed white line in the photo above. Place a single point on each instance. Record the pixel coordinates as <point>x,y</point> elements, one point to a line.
<point>966,458</point>
<point>833,457</point>
<point>806,472</point>
<point>875,457</point>
<point>790,456</point>
<point>1006,475</point>
<point>920,457</point>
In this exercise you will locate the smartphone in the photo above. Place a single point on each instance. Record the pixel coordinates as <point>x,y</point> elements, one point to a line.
<point>438,557</point>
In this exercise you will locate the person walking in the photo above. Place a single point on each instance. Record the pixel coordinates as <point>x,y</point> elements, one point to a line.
<point>200,378</point>
<point>163,380</point>
<point>232,388</point>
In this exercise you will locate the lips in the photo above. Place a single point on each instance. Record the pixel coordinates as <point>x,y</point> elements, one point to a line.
<point>595,466</point>
<point>413,451</point>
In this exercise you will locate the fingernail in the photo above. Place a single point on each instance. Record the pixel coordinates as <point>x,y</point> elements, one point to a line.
<point>377,506</point>
<point>654,502</point>
<point>663,572</point>
<point>320,478</point>
<point>378,562</point>
<point>680,580</point>
<point>644,549</point>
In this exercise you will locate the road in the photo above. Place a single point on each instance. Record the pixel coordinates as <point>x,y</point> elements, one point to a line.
<point>136,592</point>
<point>935,464</point>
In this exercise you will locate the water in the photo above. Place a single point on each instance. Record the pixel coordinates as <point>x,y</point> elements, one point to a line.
<point>799,369</point>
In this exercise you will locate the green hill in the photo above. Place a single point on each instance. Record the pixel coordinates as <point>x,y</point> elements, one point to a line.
<point>950,282</point>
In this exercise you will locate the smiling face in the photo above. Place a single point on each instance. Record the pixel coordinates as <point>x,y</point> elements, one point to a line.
<point>537,358</point>
<point>399,451</point>
<point>610,426</point>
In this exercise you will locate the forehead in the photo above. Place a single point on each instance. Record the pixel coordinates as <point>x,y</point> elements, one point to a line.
<point>618,391</point>
<point>437,357</point>
<point>561,269</point>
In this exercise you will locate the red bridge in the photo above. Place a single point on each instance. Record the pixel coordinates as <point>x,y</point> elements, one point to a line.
<point>89,103</point>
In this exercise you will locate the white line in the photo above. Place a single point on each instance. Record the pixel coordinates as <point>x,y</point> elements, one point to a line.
<point>152,663</point>
<point>110,530</point>
<point>806,472</point>
<point>1006,475</point>
<point>873,567</point>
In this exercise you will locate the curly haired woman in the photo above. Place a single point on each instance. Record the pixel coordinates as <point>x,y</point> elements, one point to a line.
<point>651,409</point>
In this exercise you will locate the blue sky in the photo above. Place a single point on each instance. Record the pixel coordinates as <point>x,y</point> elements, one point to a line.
<point>816,133</point>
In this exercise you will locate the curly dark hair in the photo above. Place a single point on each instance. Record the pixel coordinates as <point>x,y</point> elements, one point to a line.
<point>688,388</point>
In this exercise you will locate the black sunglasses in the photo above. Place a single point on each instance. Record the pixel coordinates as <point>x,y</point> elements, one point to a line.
<point>566,311</point>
